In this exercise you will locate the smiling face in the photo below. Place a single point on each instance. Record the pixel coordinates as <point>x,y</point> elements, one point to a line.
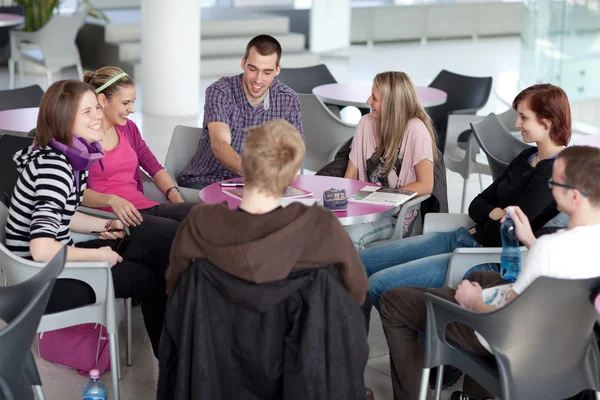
<point>88,118</point>
<point>375,102</point>
<point>532,130</point>
<point>259,72</point>
<point>119,106</point>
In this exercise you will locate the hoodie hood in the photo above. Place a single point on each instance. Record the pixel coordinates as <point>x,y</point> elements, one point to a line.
<point>24,157</point>
<point>262,248</point>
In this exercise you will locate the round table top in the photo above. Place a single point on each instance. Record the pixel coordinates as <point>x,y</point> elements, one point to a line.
<point>10,19</point>
<point>356,94</point>
<point>19,120</point>
<point>356,213</point>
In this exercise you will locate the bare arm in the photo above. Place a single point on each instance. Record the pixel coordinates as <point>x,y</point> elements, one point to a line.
<point>164,181</point>
<point>424,183</point>
<point>220,142</point>
<point>126,211</point>
<point>43,249</point>
<point>351,171</point>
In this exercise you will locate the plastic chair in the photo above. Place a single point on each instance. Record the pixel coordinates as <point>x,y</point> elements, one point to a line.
<point>304,80</point>
<point>324,133</point>
<point>9,145</point>
<point>22,307</point>
<point>25,97</point>
<point>106,311</point>
<point>55,46</point>
<point>462,159</point>
<point>498,144</point>
<point>182,148</point>
<point>552,356</point>
<point>466,95</point>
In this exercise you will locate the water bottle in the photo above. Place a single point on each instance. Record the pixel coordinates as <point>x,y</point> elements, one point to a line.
<point>94,389</point>
<point>510,260</point>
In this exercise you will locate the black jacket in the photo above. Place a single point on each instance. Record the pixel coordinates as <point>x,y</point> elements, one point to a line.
<point>226,338</point>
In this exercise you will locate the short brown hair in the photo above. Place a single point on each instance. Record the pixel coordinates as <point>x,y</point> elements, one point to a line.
<point>265,45</point>
<point>57,111</point>
<point>582,168</point>
<point>549,102</point>
<point>272,156</point>
<point>103,75</point>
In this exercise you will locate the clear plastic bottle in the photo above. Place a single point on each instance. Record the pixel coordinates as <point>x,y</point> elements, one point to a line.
<point>510,260</point>
<point>94,389</point>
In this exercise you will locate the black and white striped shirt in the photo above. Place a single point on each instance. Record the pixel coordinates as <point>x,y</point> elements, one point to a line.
<point>44,199</point>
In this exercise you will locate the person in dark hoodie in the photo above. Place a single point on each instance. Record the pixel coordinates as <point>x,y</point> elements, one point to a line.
<point>261,243</point>
<point>49,191</point>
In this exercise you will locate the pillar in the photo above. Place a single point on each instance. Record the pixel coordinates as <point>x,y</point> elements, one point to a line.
<point>330,25</point>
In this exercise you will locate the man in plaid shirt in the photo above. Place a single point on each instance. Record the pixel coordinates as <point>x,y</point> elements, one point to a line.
<point>238,102</point>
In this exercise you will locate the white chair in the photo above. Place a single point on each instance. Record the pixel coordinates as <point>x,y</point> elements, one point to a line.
<point>54,46</point>
<point>324,133</point>
<point>464,161</point>
<point>183,146</point>
<point>107,310</point>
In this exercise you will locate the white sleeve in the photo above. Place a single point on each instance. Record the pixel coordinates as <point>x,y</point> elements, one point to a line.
<point>535,264</point>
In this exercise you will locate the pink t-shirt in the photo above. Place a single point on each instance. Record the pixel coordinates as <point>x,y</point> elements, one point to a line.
<point>118,178</point>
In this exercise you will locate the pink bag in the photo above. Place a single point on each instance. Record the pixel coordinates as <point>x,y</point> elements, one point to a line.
<point>83,347</point>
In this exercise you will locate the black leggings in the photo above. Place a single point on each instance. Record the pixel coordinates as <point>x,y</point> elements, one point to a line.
<point>141,275</point>
<point>176,211</point>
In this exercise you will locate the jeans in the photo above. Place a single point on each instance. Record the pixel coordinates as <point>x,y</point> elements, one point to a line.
<point>418,261</point>
<point>363,234</point>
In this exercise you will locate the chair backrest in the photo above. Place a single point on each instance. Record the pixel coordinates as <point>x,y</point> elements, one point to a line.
<point>183,146</point>
<point>498,144</point>
<point>25,97</point>
<point>324,133</point>
<point>22,307</point>
<point>508,118</point>
<point>57,38</point>
<point>543,341</point>
<point>304,80</point>
<point>9,145</point>
<point>464,93</point>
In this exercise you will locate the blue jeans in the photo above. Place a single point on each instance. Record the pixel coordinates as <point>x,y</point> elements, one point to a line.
<point>418,261</point>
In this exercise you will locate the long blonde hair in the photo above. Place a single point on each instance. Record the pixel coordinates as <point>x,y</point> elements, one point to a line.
<point>399,104</point>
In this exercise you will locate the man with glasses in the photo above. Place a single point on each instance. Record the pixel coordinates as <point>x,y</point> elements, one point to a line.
<point>568,254</point>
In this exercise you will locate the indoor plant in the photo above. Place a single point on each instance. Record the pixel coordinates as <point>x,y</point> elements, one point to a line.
<point>38,12</point>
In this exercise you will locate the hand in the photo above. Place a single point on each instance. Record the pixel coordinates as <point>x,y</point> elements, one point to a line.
<point>497,214</point>
<point>522,226</point>
<point>114,225</point>
<point>107,254</point>
<point>467,294</point>
<point>126,212</point>
<point>175,196</point>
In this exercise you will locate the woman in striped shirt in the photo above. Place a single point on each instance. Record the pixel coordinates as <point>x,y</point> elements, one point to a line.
<point>43,210</point>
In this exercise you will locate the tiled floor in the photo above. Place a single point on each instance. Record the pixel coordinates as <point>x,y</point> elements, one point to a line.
<point>481,58</point>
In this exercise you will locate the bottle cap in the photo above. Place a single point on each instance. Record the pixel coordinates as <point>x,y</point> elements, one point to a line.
<point>510,210</point>
<point>94,374</point>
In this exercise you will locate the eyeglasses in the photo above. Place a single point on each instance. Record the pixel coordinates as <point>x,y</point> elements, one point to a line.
<point>562,185</point>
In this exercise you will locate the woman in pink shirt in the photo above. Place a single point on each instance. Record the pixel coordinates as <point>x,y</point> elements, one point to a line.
<point>394,146</point>
<point>118,187</point>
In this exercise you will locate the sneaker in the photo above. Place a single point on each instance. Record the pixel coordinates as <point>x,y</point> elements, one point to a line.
<point>451,376</point>
<point>370,395</point>
<point>463,396</point>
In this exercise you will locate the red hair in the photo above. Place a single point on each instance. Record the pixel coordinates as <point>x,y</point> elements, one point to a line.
<point>551,103</point>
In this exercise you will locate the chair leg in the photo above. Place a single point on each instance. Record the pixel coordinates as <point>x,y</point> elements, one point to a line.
<point>480,183</point>
<point>119,356</point>
<point>19,66</point>
<point>464,196</point>
<point>128,341</point>
<point>49,76</point>
<point>39,393</point>
<point>79,71</point>
<point>438,382</point>
<point>11,73</point>
<point>424,384</point>
<point>114,368</point>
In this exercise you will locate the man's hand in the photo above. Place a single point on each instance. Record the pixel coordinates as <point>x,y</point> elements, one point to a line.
<point>468,294</point>
<point>522,226</point>
<point>127,213</point>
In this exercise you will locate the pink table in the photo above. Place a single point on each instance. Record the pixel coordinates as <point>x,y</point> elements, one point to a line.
<point>10,19</point>
<point>356,94</point>
<point>357,213</point>
<point>19,120</point>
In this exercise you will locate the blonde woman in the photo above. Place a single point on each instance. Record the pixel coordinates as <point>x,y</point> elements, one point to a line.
<point>394,146</point>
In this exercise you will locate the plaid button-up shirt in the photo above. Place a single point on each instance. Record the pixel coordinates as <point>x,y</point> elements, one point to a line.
<point>226,102</point>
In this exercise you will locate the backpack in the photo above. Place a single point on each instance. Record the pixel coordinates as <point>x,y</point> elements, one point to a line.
<point>83,347</point>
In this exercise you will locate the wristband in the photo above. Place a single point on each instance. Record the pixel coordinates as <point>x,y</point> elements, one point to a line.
<point>169,190</point>
<point>107,225</point>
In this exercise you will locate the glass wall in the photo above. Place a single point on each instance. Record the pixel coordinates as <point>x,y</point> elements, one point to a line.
<point>560,44</point>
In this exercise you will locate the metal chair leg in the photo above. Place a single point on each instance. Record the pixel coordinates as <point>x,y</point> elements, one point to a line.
<point>114,369</point>
<point>464,195</point>
<point>11,73</point>
<point>128,341</point>
<point>19,66</point>
<point>424,384</point>
<point>39,393</point>
<point>480,183</point>
<point>438,382</point>
<point>49,76</point>
<point>79,71</point>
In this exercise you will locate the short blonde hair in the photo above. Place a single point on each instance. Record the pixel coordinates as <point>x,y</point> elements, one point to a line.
<point>272,156</point>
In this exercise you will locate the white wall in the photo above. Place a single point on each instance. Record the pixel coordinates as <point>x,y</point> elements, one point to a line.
<point>263,3</point>
<point>330,25</point>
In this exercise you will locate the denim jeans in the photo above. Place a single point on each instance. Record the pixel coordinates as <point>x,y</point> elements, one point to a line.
<point>363,234</point>
<point>418,261</point>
